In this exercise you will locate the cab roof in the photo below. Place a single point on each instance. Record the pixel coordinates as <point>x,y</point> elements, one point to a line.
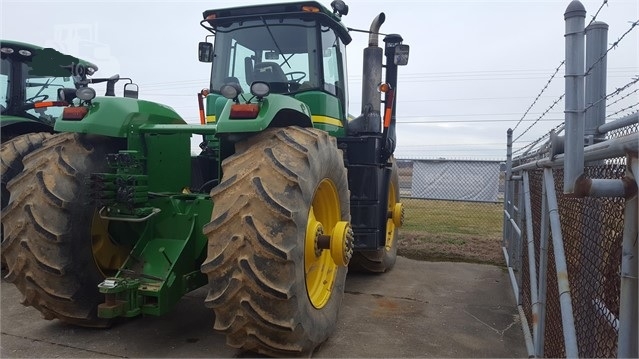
<point>16,46</point>
<point>302,9</point>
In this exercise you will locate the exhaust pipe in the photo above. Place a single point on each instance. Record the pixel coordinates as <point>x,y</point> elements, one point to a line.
<point>371,78</point>
<point>373,37</point>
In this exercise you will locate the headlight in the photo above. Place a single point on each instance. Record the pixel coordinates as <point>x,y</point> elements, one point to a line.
<point>85,93</point>
<point>260,89</point>
<point>229,91</point>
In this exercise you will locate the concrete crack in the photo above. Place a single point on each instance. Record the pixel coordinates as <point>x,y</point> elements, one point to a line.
<point>387,296</point>
<point>500,332</point>
<point>63,345</point>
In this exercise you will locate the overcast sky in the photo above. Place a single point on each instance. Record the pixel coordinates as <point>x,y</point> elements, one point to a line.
<point>474,68</point>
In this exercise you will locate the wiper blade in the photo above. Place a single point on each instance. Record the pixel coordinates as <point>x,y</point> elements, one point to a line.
<point>275,42</point>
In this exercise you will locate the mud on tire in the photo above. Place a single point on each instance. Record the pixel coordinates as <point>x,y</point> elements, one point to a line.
<point>48,244</point>
<point>256,251</point>
<point>12,153</point>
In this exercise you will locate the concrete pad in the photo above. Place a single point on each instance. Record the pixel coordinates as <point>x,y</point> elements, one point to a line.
<point>419,309</point>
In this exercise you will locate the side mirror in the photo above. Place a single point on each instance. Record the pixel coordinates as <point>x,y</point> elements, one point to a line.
<point>401,55</point>
<point>205,52</point>
<point>131,90</point>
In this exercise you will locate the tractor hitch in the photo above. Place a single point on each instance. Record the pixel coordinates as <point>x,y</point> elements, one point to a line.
<point>121,298</point>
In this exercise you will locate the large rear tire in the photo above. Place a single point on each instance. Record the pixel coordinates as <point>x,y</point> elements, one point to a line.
<point>272,290</point>
<point>49,244</point>
<point>383,259</point>
<point>12,152</point>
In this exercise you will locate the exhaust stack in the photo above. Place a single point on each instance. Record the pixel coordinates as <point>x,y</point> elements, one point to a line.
<point>370,118</point>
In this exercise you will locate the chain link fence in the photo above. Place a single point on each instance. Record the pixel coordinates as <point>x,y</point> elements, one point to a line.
<point>453,209</point>
<point>592,230</point>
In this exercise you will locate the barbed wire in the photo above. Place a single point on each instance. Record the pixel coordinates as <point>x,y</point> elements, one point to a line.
<point>613,46</point>
<point>615,93</point>
<point>623,110</point>
<point>540,117</point>
<point>528,147</point>
<point>605,2</point>
<point>540,93</point>
<point>623,97</point>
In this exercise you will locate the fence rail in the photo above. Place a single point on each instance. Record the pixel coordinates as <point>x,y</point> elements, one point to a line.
<point>570,227</point>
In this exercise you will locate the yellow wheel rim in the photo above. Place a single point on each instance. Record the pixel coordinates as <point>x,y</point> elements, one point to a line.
<point>319,266</point>
<point>390,224</point>
<point>108,255</point>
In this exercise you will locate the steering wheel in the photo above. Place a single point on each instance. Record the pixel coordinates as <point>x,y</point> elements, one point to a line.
<point>296,76</point>
<point>33,99</point>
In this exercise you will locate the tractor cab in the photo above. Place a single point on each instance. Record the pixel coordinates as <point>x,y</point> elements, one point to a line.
<point>297,49</point>
<point>30,78</point>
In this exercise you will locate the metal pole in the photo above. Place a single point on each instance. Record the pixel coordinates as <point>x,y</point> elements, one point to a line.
<point>532,270</point>
<point>628,303</point>
<point>543,272</point>
<point>508,201</point>
<point>565,302</point>
<point>507,195</point>
<point>596,43</point>
<point>520,239</point>
<point>615,147</point>
<point>574,101</point>
<point>628,120</point>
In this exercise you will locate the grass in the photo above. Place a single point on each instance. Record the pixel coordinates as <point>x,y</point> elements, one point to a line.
<point>448,217</point>
<point>452,231</point>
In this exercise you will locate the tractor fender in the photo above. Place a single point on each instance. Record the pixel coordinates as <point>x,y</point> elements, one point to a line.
<point>119,117</point>
<point>275,111</point>
<point>14,126</point>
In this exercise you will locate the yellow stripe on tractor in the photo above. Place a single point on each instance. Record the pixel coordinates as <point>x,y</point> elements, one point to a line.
<point>327,120</point>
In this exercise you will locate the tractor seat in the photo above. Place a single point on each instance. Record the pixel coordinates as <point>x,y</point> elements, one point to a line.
<point>272,73</point>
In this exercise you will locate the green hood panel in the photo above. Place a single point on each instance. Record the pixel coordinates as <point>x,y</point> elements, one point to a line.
<point>274,107</point>
<point>117,116</point>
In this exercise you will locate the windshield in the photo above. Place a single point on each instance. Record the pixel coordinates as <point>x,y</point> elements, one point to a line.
<point>44,88</point>
<point>19,90</point>
<point>4,84</point>
<point>282,52</point>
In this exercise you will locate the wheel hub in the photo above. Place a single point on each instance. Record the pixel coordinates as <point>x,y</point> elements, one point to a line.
<point>397,214</point>
<point>340,243</point>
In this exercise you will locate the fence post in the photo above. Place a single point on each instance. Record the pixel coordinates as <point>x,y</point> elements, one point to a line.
<point>565,298</point>
<point>596,42</point>
<point>507,194</point>
<point>532,270</point>
<point>574,101</point>
<point>543,273</point>
<point>628,302</point>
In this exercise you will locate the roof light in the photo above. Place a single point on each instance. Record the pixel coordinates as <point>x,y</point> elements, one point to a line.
<point>24,52</point>
<point>340,7</point>
<point>211,17</point>
<point>6,50</point>
<point>310,8</point>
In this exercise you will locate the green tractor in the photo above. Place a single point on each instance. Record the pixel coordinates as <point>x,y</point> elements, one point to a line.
<point>28,93</point>
<point>114,218</point>
<point>30,78</point>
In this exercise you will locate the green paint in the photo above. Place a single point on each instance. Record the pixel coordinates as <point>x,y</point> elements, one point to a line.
<point>272,107</point>
<point>119,117</point>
